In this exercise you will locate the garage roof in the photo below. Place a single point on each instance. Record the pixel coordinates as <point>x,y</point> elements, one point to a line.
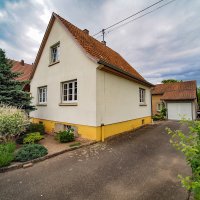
<point>176,91</point>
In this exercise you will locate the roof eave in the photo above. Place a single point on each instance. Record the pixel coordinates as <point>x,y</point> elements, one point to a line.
<point>113,69</point>
<point>188,99</point>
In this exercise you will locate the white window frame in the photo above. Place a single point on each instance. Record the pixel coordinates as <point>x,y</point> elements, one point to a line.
<point>159,105</point>
<point>142,96</point>
<point>65,91</point>
<point>42,95</point>
<point>55,57</point>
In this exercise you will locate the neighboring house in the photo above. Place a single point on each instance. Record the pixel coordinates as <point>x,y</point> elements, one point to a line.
<point>25,71</point>
<point>80,82</point>
<point>180,99</point>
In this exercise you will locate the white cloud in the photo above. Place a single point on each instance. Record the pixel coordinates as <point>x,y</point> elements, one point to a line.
<point>163,44</point>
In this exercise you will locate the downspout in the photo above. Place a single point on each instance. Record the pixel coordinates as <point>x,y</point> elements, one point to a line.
<point>102,132</point>
<point>104,111</point>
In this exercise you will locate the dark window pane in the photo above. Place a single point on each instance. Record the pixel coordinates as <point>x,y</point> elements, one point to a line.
<point>70,85</point>
<point>75,97</point>
<point>65,86</point>
<point>65,98</point>
<point>70,98</point>
<point>70,91</point>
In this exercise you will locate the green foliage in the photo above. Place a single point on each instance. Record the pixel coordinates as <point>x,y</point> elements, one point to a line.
<point>30,152</point>
<point>7,153</point>
<point>171,81</point>
<point>34,127</point>
<point>157,117</point>
<point>32,138</point>
<point>20,138</point>
<point>189,144</point>
<point>163,112</point>
<point>198,94</point>
<point>11,90</point>
<point>65,136</point>
<point>161,116</point>
<point>13,121</point>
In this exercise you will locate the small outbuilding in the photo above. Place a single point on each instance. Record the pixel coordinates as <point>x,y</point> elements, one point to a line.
<point>179,98</point>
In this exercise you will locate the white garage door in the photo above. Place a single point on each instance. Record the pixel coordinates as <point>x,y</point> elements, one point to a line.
<point>179,110</point>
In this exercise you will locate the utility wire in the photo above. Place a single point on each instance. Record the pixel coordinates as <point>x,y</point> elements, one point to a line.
<point>140,17</point>
<point>129,17</point>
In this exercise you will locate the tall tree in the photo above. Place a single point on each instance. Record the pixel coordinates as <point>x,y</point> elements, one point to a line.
<point>171,81</point>
<point>11,90</point>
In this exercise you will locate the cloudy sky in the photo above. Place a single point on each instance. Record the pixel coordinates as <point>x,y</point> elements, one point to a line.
<point>164,44</point>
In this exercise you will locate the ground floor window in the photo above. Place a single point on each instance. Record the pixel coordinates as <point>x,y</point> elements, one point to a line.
<point>42,95</point>
<point>142,95</point>
<point>69,91</point>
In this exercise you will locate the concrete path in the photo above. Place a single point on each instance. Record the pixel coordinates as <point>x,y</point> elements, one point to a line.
<point>138,166</point>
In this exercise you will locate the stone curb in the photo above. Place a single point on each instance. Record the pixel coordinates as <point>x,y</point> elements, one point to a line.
<point>21,165</point>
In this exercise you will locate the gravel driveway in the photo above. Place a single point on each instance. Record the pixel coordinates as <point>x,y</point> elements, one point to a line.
<point>141,165</point>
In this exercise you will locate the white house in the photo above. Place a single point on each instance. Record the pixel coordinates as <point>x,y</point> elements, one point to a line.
<point>80,82</point>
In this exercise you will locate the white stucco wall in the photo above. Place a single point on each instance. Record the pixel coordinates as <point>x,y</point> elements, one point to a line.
<point>73,65</point>
<point>118,99</point>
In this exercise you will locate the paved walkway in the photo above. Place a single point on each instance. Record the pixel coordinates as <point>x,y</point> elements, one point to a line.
<point>138,166</point>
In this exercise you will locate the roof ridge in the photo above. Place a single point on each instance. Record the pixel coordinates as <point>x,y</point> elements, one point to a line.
<point>176,82</point>
<point>98,50</point>
<point>105,46</point>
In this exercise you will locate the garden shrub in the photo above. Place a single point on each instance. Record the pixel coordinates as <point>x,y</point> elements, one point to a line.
<point>32,138</point>
<point>189,144</point>
<point>30,152</point>
<point>65,136</point>
<point>20,138</point>
<point>161,116</point>
<point>34,127</point>
<point>7,153</point>
<point>13,121</point>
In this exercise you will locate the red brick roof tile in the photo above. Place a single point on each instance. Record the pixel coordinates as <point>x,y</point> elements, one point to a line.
<point>26,70</point>
<point>176,91</point>
<point>98,50</point>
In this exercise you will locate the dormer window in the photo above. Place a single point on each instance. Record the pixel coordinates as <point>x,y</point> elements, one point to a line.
<point>55,53</point>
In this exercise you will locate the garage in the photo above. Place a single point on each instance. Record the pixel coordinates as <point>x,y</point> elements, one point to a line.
<point>180,99</point>
<point>178,110</point>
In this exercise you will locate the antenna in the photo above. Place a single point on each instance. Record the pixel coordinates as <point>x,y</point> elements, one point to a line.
<point>103,32</point>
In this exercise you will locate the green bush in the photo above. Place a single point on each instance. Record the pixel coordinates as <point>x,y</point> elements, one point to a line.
<point>32,138</point>
<point>20,138</point>
<point>30,152</point>
<point>34,127</point>
<point>65,136</point>
<point>162,115</point>
<point>7,153</point>
<point>13,121</point>
<point>157,117</point>
<point>189,144</point>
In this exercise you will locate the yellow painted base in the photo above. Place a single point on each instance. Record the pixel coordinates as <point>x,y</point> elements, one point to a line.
<point>100,132</point>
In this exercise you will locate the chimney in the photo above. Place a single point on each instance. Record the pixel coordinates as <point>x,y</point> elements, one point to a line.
<point>22,62</point>
<point>86,31</point>
<point>103,42</point>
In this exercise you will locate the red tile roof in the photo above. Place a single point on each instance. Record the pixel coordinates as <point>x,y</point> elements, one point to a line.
<point>26,70</point>
<point>95,49</point>
<point>98,50</point>
<point>176,91</point>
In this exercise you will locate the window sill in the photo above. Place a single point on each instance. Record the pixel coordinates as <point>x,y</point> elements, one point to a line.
<point>69,104</point>
<point>54,63</point>
<point>142,104</point>
<point>44,104</point>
